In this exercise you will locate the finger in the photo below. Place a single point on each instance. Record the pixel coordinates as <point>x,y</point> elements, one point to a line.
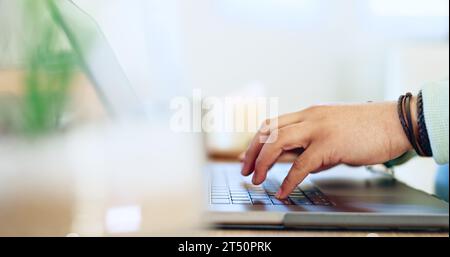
<point>251,154</point>
<point>261,137</point>
<point>287,138</point>
<point>283,121</point>
<point>288,157</point>
<point>306,163</point>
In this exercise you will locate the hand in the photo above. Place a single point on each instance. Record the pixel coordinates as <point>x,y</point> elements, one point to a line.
<point>356,135</point>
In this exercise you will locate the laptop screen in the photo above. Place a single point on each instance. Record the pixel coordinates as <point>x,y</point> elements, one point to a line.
<point>97,58</point>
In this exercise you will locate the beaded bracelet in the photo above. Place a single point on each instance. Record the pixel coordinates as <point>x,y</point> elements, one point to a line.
<point>424,140</point>
<point>404,113</point>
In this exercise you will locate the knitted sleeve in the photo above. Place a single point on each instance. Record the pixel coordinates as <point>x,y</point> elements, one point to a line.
<point>435,105</point>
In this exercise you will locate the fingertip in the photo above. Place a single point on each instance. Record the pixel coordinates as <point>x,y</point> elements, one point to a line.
<point>245,173</point>
<point>256,180</point>
<point>285,189</point>
<point>245,170</point>
<point>279,194</point>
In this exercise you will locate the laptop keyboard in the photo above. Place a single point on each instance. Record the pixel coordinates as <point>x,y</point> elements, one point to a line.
<point>232,188</point>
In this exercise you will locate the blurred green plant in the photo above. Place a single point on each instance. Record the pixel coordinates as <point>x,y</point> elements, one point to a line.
<point>49,71</point>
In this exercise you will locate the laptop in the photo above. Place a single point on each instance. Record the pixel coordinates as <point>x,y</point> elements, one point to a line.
<point>342,198</point>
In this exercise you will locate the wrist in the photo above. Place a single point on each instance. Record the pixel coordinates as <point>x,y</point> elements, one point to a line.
<point>399,136</point>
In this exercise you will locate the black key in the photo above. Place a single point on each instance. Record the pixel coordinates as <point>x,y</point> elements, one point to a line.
<point>313,193</point>
<point>297,195</point>
<point>262,202</point>
<point>220,197</point>
<point>260,197</point>
<point>259,193</point>
<point>239,192</point>
<point>239,195</point>
<point>317,200</point>
<point>300,201</point>
<point>240,198</point>
<point>242,202</point>
<point>321,202</point>
<point>219,193</point>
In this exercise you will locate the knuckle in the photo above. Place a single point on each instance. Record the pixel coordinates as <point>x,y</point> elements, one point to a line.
<point>279,134</point>
<point>265,126</point>
<point>318,109</point>
<point>269,124</point>
<point>274,137</point>
<point>314,108</point>
<point>266,121</point>
<point>319,112</point>
<point>259,164</point>
<point>298,163</point>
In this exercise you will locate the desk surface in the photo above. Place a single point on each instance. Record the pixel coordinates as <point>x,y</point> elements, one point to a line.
<point>290,233</point>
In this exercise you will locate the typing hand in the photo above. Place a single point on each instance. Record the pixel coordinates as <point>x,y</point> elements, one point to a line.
<point>356,135</point>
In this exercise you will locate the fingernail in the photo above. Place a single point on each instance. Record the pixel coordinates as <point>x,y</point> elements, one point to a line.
<point>244,171</point>
<point>254,180</point>
<point>278,194</point>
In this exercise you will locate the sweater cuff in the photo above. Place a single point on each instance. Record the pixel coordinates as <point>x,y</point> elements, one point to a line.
<point>435,105</point>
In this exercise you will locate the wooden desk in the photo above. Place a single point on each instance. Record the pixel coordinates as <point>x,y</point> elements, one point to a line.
<point>83,102</point>
<point>300,233</point>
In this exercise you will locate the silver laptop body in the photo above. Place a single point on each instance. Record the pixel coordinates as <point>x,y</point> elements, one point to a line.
<point>342,198</point>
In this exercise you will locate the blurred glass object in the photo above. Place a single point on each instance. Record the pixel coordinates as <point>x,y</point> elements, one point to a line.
<point>123,219</point>
<point>146,37</point>
<point>97,59</point>
<point>110,180</point>
<point>49,71</point>
<point>49,66</point>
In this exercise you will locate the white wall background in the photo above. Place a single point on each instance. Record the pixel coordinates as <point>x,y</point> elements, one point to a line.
<point>301,51</point>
